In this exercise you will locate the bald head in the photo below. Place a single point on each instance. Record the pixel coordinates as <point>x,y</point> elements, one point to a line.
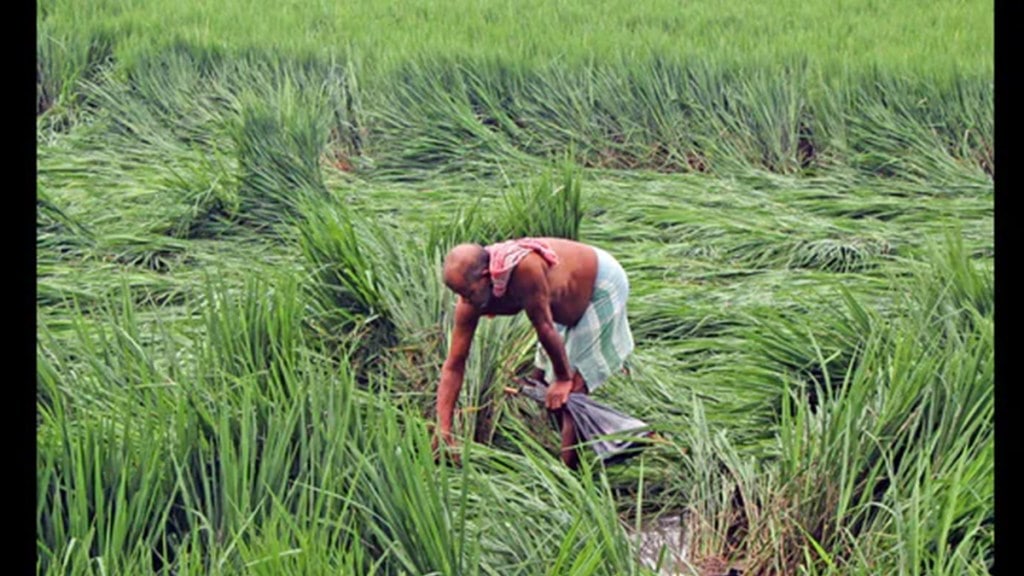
<point>464,264</point>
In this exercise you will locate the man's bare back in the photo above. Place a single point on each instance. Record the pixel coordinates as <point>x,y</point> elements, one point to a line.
<point>569,285</point>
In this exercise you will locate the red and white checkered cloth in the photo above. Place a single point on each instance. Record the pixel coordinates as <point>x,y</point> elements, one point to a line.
<point>506,255</point>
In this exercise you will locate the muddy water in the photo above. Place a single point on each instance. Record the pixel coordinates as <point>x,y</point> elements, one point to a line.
<point>662,545</point>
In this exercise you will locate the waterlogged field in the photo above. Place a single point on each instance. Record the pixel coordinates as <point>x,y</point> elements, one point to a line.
<point>242,212</point>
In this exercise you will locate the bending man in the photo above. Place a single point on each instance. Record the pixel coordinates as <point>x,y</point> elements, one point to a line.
<point>575,297</point>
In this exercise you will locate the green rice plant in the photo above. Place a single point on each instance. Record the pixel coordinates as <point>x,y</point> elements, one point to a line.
<point>255,332</point>
<point>467,223</point>
<point>102,495</point>
<point>921,37</point>
<point>664,130</point>
<point>971,131</point>
<point>345,284</point>
<point>264,432</point>
<point>154,175</point>
<point>210,199</point>
<point>730,502</point>
<point>431,121</point>
<point>404,504</point>
<point>502,348</point>
<point>246,457</point>
<point>942,501</point>
<point>898,134</point>
<point>314,442</point>
<point>573,520</point>
<point>724,117</point>
<point>65,286</point>
<point>858,336</point>
<point>255,129</point>
<point>854,254</point>
<point>66,55</point>
<point>346,256</point>
<point>967,286</point>
<point>906,403</point>
<point>141,185</point>
<point>176,105</point>
<point>560,108</point>
<point>289,544</point>
<point>820,353</point>
<point>754,119</point>
<point>56,231</point>
<point>654,91</point>
<point>844,449</point>
<point>226,441</point>
<point>193,426</point>
<point>279,148</point>
<point>545,207</point>
<point>105,491</point>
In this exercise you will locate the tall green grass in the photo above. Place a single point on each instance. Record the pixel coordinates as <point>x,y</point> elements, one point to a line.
<point>906,37</point>
<point>199,465</point>
<point>239,240</point>
<point>882,454</point>
<point>666,87</point>
<point>234,440</point>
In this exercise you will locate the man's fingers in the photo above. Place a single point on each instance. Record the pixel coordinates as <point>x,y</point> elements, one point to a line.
<point>447,450</point>
<point>556,401</point>
<point>558,394</point>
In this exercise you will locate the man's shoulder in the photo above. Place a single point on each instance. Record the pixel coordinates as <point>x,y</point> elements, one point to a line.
<point>465,312</point>
<point>556,243</point>
<point>529,275</point>
<point>533,265</point>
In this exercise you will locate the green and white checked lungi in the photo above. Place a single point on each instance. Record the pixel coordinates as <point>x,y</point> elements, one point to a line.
<point>600,342</point>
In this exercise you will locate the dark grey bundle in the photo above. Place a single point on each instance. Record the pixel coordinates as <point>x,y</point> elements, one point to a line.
<point>613,435</point>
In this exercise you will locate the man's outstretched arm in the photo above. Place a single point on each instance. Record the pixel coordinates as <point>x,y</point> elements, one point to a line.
<point>466,318</point>
<point>537,305</point>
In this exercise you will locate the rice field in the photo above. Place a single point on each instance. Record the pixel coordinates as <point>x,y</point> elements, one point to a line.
<point>242,210</point>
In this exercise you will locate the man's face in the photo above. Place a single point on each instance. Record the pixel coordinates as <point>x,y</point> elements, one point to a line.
<point>478,292</point>
<point>476,289</point>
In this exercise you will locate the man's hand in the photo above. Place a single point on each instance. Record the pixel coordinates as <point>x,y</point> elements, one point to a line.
<point>558,394</point>
<point>450,449</point>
